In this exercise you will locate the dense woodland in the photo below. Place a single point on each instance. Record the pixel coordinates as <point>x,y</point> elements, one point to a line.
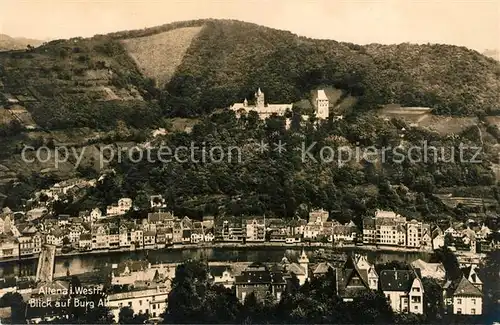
<point>283,184</point>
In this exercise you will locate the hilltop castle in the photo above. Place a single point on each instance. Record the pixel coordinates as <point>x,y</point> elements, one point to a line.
<point>264,110</point>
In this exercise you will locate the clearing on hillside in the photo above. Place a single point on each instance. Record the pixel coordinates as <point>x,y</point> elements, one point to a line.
<point>159,55</point>
<point>18,113</point>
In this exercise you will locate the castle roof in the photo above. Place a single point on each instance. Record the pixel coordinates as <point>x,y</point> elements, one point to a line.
<point>322,95</point>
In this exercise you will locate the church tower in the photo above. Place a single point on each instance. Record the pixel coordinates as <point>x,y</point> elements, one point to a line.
<point>304,263</point>
<point>259,98</point>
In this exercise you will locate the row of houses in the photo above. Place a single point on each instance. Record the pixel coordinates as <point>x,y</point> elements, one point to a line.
<point>403,289</point>
<point>387,228</point>
<point>93,230</point>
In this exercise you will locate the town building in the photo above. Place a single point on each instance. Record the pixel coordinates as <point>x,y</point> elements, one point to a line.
<point>351,280</point>
<point>322,269</point>
<point>430,270</point>
<point>391,229</point>
<point>299,269</point>
<point>461,297</point>
<point>136,273</point>
<point>229,229</point>
<point>9,247</point>
<point>208,222</point>
<point>85,242</point>
<point>364,265</point>
<point>255,229</point>
<point>222,274</point>
<point>346,233</point>
<point>471,275</point>
<point>157,202</point>
<point>100,237</point>
<point>122,207</point>
<point>316,224</point>
<point>404,290</point>
<point>152,301</point>
<point>259,280</point>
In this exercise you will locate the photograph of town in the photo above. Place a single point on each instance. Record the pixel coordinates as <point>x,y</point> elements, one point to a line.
<point>249,162</point>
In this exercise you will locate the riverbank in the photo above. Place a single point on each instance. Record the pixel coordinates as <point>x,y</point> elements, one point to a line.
<point>252,245</point>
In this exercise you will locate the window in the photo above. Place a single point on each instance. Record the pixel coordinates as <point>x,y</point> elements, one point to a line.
<point>459,301</point>
<point>473,301</point>
<point>459,311</point>
<point>473,311</point>
<point>416,307</point>
<point>416,289</point>
<point>130,304</point>
<point>140,302</point>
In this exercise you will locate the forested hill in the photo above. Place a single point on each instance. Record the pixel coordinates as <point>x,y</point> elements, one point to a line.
<point>190,68</point>
<point>227,60</point>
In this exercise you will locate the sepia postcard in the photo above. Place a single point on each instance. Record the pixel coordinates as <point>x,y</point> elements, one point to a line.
<point>249,162</point>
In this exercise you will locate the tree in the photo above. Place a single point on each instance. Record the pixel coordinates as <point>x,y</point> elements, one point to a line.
<point>433,299</point>
<point>66,241</point>
<point>449,260</point>
<point>189,291</point>
<point>375,309</point>
<point>141,201</point>
<point>99,314</point>
<point>489,274</point>
<point>18,307</point>
<point>126,316</point>
<point>122,130</point>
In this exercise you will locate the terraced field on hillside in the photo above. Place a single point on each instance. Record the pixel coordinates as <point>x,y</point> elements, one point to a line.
<point>159,55</point>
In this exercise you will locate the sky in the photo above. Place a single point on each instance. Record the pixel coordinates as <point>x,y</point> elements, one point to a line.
<point>473,23</point>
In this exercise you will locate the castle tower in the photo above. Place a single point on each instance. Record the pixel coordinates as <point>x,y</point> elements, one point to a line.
<point>259,98</point>
<point>322,105</point>
<point>304,263</point>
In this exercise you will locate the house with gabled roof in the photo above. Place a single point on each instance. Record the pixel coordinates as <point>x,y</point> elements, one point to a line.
<point>259,280</point>
<point>300,268</point>
<point>363,264</point>
<point>471,275</point>
<point>461,297</point>
<point>322,269</point>
<point>430,270</point>
<point>404,290</point>
<point>160,218</point>
<point>222,274</point>
<point>351,281</point>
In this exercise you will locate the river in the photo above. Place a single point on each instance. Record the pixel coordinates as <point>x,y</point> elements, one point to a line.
<point>87,263</point>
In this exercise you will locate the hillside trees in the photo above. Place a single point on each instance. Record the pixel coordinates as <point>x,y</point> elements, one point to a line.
<point>249,180</point>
